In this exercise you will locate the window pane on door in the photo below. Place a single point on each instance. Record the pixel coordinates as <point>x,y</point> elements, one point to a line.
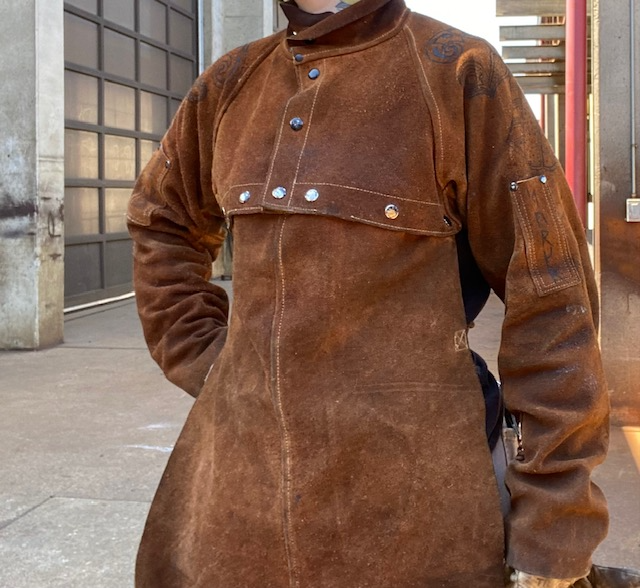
<point>153,113</point>
<point>120,11</point>
<point>119,55</point>
<point>80,154</point>
<point>119,158</point>
<point>80,41</point>
<point>153,20</point>
<point>147,149</point>
<point>118,262</point>
<point>81,211</point>
<point>181,32</point>
<point>80,97</point>
<point>115,209</point>
<point>83,268</point>
<point>181,75</point>
<point>153,66</point>
<point>119,106</point>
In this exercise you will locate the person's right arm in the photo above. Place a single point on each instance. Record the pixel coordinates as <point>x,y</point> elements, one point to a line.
<point>178,229</point>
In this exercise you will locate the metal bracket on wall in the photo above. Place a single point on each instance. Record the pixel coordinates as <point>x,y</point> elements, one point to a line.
<point>633,210</point>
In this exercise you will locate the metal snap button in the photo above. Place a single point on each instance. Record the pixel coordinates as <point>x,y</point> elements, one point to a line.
<point>244,197</point>
<point>296,123</point>
<point>312,195</point>
<point>543,179</point>
<point>298,57</point>
<point>314,73</point>
<point>513,186</point>
<point>391,211</point>
<point>279,192</point>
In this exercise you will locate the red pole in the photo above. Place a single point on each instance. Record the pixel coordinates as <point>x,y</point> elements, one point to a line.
<point>576,103</point>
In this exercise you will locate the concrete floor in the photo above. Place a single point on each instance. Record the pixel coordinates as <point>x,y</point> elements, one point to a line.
<point>86,429</point>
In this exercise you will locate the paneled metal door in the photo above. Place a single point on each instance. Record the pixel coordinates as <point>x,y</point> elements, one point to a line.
<point>128,63</point>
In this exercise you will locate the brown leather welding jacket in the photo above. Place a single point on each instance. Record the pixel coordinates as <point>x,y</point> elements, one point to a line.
<point>321,451</point>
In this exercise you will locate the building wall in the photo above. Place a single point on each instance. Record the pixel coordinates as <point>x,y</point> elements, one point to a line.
<point>617,241</point>
<point>32,139</point>
<point>32,174</point>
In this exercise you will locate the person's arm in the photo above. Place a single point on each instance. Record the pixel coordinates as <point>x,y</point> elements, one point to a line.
<point>529,243</point>
<point>178,229</point>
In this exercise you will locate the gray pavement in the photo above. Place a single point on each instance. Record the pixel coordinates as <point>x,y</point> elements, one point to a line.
<point>86,429</point>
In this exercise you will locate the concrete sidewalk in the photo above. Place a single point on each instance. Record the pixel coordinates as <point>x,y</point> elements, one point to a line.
<point>86,429</point>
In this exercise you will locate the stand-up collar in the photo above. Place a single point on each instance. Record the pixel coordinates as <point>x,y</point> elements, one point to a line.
<point>365,21</point>
<point>298,18</point>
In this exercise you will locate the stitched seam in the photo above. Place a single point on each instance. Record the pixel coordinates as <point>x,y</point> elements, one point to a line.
<point>433,97</point>
<point>231,188</point>
<point>370,192</point>
<point>306,136</point>
<point>529,242</point>
<point>286,438</point>
<point>567,260</point>
<point>277,147</point>
<point>397,227</point>
<point>240,210</point>
<point>224,102</point>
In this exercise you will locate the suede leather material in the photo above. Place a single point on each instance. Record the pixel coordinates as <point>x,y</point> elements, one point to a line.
<point>320,451</point>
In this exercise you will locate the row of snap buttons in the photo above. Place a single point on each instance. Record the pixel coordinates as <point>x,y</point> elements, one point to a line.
<point>391,211</point>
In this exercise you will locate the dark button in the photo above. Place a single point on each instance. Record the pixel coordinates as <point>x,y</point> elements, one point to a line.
<point>296,123</point>
<point>298,57</point>
<point>314,73</point>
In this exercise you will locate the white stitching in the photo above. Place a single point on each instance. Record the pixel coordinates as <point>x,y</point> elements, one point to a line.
<point>433,97</point>
<point>289,537</point>
<point>277,147</point>
<point>370,192</point>
<point>566,258</point>
<point>398,227</point>
<point>231,188</point>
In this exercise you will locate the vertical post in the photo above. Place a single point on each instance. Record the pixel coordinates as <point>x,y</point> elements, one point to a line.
<point>617,242</point>
<point>32,175</point>
<point>576,103</point>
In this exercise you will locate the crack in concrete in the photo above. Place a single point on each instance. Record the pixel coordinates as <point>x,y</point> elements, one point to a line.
<point>8,522</point>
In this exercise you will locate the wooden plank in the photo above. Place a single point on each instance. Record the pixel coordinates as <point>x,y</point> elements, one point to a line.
<point>537,68</point>
<point>533,33</point>
<point>533,52</point>
<point>530,7</point>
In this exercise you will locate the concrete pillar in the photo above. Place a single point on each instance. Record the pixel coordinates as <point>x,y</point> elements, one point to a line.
<point>32,173</point>
<point>617,252</point>
<point>231,23</point>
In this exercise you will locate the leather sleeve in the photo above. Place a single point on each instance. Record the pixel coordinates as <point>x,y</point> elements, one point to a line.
<point>178,229</point>
<point>530,245</point>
